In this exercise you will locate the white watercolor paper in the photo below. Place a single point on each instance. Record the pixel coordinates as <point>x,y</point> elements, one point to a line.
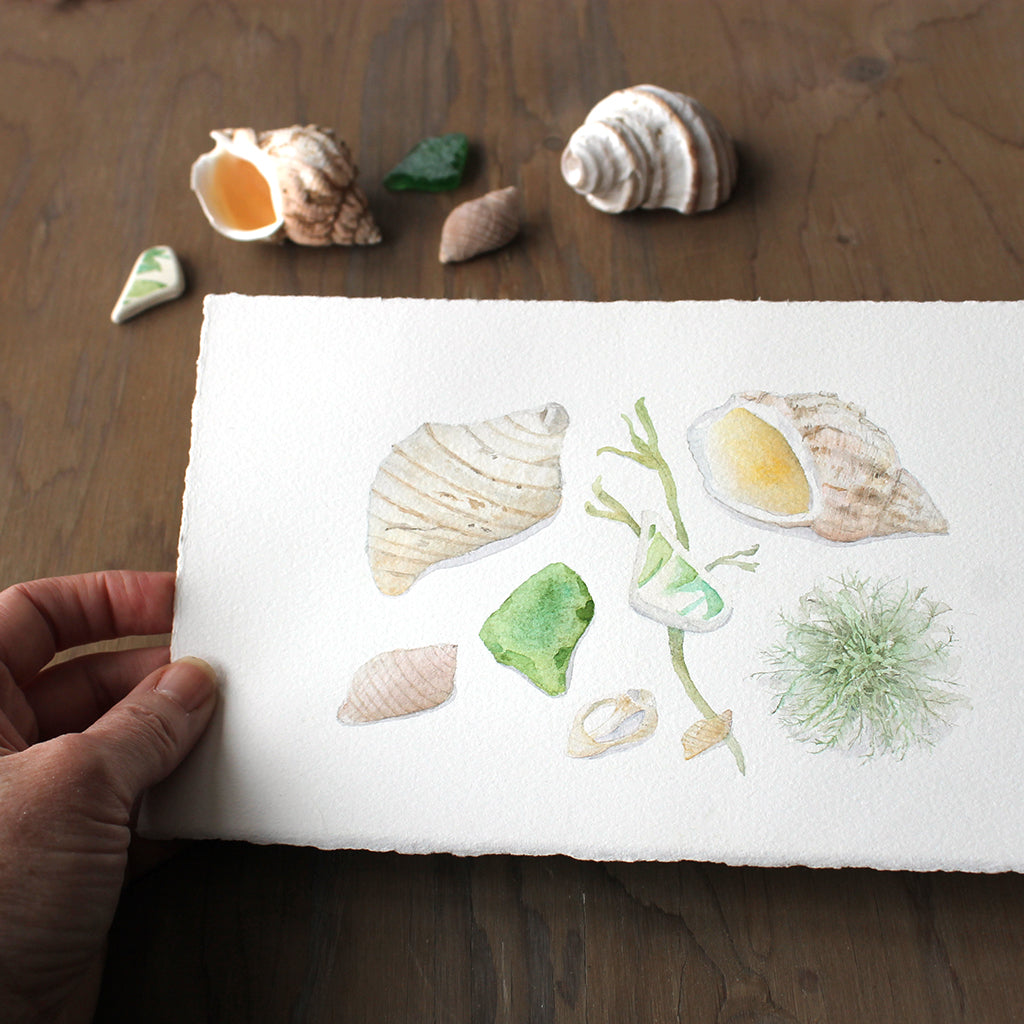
<point>300,399</point>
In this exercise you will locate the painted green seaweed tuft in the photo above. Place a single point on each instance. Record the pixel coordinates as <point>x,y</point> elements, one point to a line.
<point>864,666</point>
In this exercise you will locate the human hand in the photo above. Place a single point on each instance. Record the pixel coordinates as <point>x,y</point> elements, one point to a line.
<point>79,743</point>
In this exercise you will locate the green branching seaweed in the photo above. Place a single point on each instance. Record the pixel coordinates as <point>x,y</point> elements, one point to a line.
<point>647,454</point>
<point>864,666</point>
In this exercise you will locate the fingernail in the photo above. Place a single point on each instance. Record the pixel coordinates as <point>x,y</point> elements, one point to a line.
<point>189,682</point>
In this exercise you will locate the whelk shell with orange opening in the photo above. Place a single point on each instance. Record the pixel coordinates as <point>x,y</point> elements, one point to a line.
<point>297,183</point>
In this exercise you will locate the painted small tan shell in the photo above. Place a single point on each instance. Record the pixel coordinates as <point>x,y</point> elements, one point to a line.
<point>648,147</point>
<point>705,734</point>
<point>480,225</point>
<point>809,460</point>
<point>398,683</point>
<point>447,490</point>
<point>628,718</point>
<point>297,183</point>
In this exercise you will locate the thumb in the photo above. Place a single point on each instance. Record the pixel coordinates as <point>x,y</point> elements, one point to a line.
<point>145,736</point>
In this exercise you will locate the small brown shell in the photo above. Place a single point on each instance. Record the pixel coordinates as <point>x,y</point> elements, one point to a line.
<point>400,682</point>
<point>706,733</point>
<point>480,225</point>
<point>631,718</point>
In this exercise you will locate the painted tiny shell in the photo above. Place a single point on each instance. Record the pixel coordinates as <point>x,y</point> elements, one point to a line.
<point>646,147</point>
<point>398,683</point>
<point>705,734</point>
<point>448,489</point>
<point>297,183</point>
<point>809,460</point>
<point>627,718</point>
<point>480,225</point>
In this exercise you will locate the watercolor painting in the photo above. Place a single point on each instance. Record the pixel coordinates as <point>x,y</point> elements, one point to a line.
<point>809,460</point>
<point>687,600</point>
<point>537,627</point>
<point>758,619</point>
<point>448,490</point>
<point>399,683</point>
<point>865,666</point>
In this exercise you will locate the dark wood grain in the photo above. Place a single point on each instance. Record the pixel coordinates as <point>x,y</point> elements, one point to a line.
<point>882,157</point>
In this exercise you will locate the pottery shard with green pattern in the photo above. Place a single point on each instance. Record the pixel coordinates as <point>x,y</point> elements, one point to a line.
<point>539,624</point>
<point>667,588</point>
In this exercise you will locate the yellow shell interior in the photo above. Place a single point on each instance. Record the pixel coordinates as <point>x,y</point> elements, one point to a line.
<point>240,194</point>
<point>754,464</point>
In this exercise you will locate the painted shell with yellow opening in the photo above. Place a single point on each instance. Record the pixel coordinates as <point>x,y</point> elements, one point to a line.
<point>297,183</point>
<point>809,460</point>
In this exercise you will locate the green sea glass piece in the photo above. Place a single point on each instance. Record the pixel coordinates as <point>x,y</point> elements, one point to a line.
<point>434,165</point>
<point>538,625</point>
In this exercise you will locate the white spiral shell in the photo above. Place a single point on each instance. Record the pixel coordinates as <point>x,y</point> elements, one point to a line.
<point>648,147</point>
<point>447,490</point>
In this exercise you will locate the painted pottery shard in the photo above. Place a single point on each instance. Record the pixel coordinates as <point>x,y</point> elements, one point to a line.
<point>628,718</point>
<point>447,490</point>
<point>809,460</point>
<point>433,165</point>
<point>480,225</point>
<point>705,734</point>
<point>400,682</point>
<point>538,625</point>
<point>667,588</point>
<point>156,277</point>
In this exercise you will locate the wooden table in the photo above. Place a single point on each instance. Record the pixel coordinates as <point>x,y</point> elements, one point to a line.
<point>882,148</point>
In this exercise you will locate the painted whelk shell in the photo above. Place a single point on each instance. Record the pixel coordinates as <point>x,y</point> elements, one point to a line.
<point>447,490</point>
<point>297,183</point>
<point>648,147</point>
<point>398,683</point>
<point>480,225</point>
<point>625,719</point>
<point>705,734</point>
<point>809,460</point>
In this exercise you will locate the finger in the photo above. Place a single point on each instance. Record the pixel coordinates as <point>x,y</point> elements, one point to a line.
<point>19,723</point>
<point>11,738</point>
<point>38,619</point>
<point>142,739</point>
<point>70,696</point>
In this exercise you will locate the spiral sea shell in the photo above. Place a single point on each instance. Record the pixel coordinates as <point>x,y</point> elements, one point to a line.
<point>480,225</point>
<point>649,147</point>
<point>297,183</point>
<point>447,490</point>
<point>400,682</point>
<point>809,460</point>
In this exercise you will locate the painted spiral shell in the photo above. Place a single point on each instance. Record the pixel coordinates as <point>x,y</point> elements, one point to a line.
<point>448,489</point>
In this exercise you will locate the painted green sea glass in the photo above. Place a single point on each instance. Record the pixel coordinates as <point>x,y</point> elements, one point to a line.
<point>539,624</point>
<point>433,165</point>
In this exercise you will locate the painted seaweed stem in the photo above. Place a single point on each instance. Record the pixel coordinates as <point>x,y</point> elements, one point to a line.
<point>647,454</point>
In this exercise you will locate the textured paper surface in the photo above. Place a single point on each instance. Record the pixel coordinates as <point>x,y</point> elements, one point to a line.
<point>298,401</point>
